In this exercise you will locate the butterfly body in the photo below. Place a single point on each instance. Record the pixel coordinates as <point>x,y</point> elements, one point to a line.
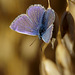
<point>41,32</point>
<point>36,21</point>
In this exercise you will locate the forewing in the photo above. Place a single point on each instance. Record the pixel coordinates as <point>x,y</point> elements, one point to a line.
<point>48,18</point>
<point>35,13</point>
<point>48,34</point>
<point>24,25</point>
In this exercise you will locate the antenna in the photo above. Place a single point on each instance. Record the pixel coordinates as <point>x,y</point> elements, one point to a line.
<point>49,4</point>
<point>33,41</point>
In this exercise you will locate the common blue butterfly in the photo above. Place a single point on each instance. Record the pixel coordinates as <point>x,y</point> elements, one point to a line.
<point>36,21</point>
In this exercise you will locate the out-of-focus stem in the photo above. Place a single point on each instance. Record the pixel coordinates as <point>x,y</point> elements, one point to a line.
<point>49,4</point>
<point>67,9</point>
<point>43,49</point>
<point>59,36</point>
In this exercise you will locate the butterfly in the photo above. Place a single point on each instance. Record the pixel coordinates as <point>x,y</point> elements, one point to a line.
<point>36,22</point>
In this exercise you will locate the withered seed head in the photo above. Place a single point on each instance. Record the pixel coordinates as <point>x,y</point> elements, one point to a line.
<point>56,26</point>
<point>67,25</point>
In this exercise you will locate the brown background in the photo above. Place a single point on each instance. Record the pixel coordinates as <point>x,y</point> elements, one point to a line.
<point>17,57</point>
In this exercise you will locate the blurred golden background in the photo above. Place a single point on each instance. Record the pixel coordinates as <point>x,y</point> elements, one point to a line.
<point>17,57</point>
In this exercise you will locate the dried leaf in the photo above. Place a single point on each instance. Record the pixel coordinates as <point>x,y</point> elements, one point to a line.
<point>69,44</point>
<point>63,60</point>
<point>56,26</point>
<point>67,25</point>
<point>48,68</point>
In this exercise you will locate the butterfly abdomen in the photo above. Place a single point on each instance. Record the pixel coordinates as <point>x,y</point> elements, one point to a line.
<point>43,27</point>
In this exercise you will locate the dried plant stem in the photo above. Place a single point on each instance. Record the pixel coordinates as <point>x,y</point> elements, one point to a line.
<point>49,4</point>
<point>63,58</point>
<point>59,36</point>
<point>67,9</point>
<point>43,49</point>
<point>45,44</point>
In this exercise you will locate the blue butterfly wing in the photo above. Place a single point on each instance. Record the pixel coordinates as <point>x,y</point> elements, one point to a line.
<point>48,18</point>
<point>36,13</point>
<point>28,24</point>
<point>48,34</point>
<point>23,24</point>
